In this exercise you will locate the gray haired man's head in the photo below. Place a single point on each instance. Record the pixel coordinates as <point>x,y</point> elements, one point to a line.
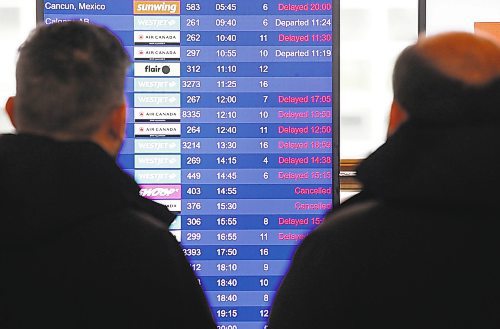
<point>70,77</point>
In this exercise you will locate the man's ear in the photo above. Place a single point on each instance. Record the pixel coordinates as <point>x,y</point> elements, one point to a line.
<point>117,121</point>
<point>9,108</point>
<point>111,133</point>
<point>396,117</point>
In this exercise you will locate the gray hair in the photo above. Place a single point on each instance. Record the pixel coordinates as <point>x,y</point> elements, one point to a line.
<point>70,76</point>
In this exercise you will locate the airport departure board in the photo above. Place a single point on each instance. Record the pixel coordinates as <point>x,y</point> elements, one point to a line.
<point>233,124</point>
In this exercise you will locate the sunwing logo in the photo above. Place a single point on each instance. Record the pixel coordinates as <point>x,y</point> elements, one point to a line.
<point>156,8</point>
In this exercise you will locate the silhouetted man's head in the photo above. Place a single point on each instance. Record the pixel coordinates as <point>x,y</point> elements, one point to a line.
<point>450,78</point>
<point>70,80</point>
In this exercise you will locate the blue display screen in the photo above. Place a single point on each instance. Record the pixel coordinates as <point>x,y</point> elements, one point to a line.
<point>233,124</point>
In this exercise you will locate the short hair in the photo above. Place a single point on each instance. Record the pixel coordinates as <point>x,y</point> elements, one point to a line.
<point>431,96</point>
<point>70,76</point>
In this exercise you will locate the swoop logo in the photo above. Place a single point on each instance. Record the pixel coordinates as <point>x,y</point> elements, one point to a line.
<point>161,192</point>
<point>157,8</point>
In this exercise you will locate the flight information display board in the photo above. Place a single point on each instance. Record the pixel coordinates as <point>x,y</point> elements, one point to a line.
<point>232,123</point>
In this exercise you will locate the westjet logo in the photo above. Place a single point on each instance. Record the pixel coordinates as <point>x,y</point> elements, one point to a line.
<point>156,84</point>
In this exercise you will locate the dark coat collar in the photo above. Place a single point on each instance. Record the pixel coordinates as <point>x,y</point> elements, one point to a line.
<point>441,164</point>
<point>47,184</point>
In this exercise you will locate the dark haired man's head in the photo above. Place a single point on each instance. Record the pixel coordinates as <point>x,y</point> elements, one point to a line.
<point>450,78</point>
<point>70,80</point>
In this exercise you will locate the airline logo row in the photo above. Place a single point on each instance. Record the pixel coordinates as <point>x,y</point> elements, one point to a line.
<point>140,7</point>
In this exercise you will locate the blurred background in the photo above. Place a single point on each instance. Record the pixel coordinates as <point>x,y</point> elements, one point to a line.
<point>17,18</point>
<point>372,34</point>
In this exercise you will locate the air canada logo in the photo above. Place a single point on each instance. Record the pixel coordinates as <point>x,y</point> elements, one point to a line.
<point>157,53</point>
<point>157,38</point>
<point>169,37</point>
<point>157,129</point>
<point>157,115</point>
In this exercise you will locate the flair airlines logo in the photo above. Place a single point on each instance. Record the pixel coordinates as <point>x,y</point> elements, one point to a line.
<point>156,7</point>
<point>157,69</point>
<point>157,37</point>
<point>161,192</point>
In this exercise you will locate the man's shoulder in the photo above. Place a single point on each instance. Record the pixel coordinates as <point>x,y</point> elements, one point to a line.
<point>132,224</point>
<point>343,229</point>
<point>134,218</point>
<point>350,216</point>
<point>126,236</point>
<point>354,231</point>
